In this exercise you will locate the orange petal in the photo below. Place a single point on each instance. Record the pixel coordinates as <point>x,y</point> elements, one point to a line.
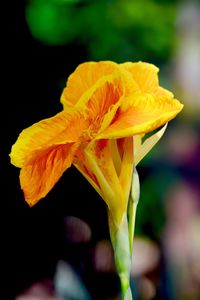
<point>65,127</point>
<point>103,99</point>
<point>141,113</point>
<point>83,78</point>
<point>43,170</point>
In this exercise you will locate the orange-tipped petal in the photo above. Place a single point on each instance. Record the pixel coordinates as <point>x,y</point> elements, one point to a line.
<point>83,78</point>
<point>40,173</point>
<point>141,113</point>
<point>65,127</point>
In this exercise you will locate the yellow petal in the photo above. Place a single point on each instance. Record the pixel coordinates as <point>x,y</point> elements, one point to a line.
<point>39,174</point>
<point>141,149</point>
<point>83,78</point>
<point>81,163</point>
<point>113,161</point>
<point>100,162</point>
<point>103,94</point>
<point>145,75</point>
<point>116,155</point>
<point>65,127</point>
<point>141,113</point>
<point>125,176</point>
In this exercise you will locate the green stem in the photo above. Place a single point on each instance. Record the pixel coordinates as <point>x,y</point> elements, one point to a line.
<point>120,241</point>
<point>122,238</point>
<point>126,290</point>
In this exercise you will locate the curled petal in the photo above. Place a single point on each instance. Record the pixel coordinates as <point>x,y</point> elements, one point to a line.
<point>141,113</point>
<point>83,78</point>
<point>106,92</point>
<point>99,104</point>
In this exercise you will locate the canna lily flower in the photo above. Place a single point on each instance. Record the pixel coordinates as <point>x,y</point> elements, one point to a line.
<point>105,105</point>
<point>107,109</point>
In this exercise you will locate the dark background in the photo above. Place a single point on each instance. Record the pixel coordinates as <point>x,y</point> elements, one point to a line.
<point>34,73</point>
<point>34,237</point>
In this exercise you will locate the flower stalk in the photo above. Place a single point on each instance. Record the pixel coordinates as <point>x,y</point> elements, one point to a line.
<point>122,239</point>
<point>121,247</point>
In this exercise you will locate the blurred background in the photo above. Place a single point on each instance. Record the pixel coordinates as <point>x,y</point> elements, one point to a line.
<point>60,248</point>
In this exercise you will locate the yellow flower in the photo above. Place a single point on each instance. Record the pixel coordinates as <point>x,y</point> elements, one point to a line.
<point>106,106</point>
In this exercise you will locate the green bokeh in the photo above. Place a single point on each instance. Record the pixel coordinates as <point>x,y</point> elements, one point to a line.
<point>151,217</point>
<point>50,22</point>
<point>117,30</point>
